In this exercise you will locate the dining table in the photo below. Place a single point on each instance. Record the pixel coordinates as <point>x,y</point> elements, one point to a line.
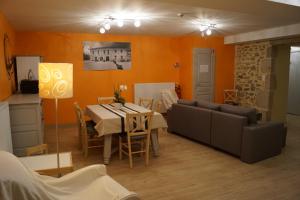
<point>110,119</point>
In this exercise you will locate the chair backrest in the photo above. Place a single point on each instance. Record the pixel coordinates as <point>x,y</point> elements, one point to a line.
<point>230,96</point>
<point>138,123</point>
<point>146,103</point>
<point>81,121</point>
<point>18,181</point>
<point>168,98</point>
<point>77,113</point>
<point>37,150</point>
<point>157,106</point>
<point>105,100</point>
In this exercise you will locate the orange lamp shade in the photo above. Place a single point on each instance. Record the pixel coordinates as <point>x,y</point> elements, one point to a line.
<point>55,80</point>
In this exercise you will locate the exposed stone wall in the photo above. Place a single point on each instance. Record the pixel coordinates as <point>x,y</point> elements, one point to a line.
<point>253,74</point>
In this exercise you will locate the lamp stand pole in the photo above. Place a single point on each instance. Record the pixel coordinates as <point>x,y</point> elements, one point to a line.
<point>57,138</point>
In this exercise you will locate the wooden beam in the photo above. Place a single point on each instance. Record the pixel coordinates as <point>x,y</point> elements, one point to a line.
<point>265,34</point>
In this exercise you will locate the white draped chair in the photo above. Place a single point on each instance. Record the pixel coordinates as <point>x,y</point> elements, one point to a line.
<point>92,183</point>
<point>168,97</point>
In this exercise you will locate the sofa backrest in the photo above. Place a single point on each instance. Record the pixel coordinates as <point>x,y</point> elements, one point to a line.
<point>208,105</point>
<point>190,121</point>
<point>250,113</point>
<point>200,104</point>
<point>187,102</point>
<point>226,133</point>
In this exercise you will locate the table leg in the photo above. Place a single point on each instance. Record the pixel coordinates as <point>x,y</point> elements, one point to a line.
<point>154,142</point>
<point>107,149</point>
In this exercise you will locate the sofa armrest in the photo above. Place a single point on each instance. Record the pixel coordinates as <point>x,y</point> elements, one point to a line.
<point>261,141</point>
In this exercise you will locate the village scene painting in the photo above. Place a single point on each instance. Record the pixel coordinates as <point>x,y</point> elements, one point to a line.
<point>106,55</point>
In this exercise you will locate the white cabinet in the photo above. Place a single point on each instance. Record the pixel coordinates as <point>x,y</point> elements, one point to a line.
<point>26,119</point>
<point>5,131</point>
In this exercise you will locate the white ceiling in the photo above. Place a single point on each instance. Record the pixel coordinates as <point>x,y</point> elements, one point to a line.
<point>231,16</point>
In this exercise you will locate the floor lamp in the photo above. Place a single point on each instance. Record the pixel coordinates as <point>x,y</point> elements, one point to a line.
<point>56,82</point>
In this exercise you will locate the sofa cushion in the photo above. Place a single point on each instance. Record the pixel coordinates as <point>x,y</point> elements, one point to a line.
<point>250,113</point>
<point>187,102</point>
<point>208,105</point>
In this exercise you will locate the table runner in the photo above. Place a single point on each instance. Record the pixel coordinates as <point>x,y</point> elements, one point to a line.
<point>121,117</point>
<point>118,112</point>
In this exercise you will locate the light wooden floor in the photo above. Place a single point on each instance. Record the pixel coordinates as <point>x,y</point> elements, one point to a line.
<point>188,170</point>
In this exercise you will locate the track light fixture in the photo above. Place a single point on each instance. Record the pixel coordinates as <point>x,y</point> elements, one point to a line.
<point>120,23</point>
<point>206,29</point>
<point>102,30</point>
<point>137,23</point>
<point>107,26</point>
<point>204,26</point>
<point>109,21</point>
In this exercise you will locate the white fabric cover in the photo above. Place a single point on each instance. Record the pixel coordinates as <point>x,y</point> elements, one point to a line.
<point>19,183</point>
<point>108,122</point>
<point>168,97</point>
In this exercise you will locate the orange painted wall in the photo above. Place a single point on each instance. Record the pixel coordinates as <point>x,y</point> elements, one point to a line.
<point>152,61</point>
<point>224,64</point>
<point>5,84</point>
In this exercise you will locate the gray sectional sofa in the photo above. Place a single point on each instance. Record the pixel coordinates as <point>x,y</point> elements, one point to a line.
<point>229,128</point>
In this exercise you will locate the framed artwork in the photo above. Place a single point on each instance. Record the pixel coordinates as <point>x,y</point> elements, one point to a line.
<point>9,63</point>
<point>106,55</point>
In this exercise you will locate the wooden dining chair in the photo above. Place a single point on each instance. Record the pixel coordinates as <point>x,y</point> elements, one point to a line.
<point>231,97</point>
<point>87,132</point>
<point>138,127</point>
<point>77,113</point>
<point>37,150</point>
<point>146,103</point>
<point>157,106</point>
<point>105,100</point>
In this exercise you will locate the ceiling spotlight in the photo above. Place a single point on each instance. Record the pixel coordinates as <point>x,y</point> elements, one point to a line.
<point>107,26</point>
<point>203,28</point>
<point>102,30</point>
<point>120,23</point>
<point>137,23</point>
<point>208,31</point>
<point>180,14</point>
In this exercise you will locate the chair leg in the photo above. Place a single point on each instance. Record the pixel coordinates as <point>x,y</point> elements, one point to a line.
<point>147,150</point>
<point>142,147</point>
<point>129,152</point>
<point>85,144</point>
<point>79,138</point>
<point>86,150</point>
<point>120,148</point>
<point>159,132</point>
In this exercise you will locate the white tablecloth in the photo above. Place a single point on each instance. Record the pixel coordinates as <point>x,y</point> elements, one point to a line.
<point>107,122</point>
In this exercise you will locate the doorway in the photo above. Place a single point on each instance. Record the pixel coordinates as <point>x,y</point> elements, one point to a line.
<point>203,74</point>
<point>286,94</point>
<point>294,82</point>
